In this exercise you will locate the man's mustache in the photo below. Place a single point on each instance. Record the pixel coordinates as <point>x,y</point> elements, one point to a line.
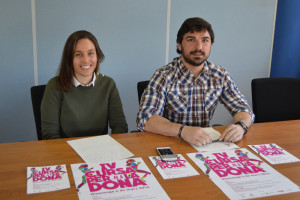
<point>198,51</point>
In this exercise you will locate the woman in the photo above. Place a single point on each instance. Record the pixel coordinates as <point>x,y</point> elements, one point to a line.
<point>80,101</point>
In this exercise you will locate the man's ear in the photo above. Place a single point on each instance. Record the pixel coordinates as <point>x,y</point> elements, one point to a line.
<point>179,46</point>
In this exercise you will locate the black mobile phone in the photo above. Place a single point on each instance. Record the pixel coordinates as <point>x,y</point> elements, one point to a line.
<point>166,154</point>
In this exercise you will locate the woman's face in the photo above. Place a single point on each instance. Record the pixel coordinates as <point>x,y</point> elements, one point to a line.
<point>84,61</point>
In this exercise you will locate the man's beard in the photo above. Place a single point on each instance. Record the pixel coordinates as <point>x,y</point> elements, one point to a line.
<point>196,62</point>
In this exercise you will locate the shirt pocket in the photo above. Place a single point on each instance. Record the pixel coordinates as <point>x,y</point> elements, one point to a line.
<point>211,97</point>
<point>177,102</point>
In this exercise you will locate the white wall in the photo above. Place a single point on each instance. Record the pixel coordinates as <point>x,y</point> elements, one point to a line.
<point>132,35</point>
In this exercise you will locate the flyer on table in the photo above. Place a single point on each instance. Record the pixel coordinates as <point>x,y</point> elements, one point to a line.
<point>47,178</point>
<point>242,175</point>
<point>121,179</point>
<point>273,153</point>
<point>216,145</point>
<point>173,169</point>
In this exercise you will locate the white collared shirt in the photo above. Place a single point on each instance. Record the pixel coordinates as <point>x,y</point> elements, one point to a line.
<point>76,82</point>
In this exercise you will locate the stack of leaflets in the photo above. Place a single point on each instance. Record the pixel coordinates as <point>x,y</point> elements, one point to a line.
<point>47,178</point>
<point>173,169</point>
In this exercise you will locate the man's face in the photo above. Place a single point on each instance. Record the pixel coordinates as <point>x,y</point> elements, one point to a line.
<point>195,48</point>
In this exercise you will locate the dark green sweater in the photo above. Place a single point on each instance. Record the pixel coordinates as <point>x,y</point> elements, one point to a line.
<point>84,111</point>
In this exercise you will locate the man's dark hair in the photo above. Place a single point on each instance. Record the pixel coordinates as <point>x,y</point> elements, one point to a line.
<point>194,24</point>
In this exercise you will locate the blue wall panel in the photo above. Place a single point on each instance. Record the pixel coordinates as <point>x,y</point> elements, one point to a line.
<point>16,71</point>
<point>286,49</point>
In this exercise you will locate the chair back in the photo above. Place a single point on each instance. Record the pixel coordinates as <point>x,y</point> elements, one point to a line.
<point>37,93</point>
<point>276,99</point>
<point>141,86</point>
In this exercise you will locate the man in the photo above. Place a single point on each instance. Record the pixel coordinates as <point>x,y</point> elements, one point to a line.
<point>182,96</point>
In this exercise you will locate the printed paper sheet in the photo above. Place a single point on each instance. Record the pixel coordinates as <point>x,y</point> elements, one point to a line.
<point>215,146</point>
<point>99,149</point>
<point>47,178</point>
<point>242,175</point>
<point>121,179</point>
<point>273,153</point>
<point>174,169</point>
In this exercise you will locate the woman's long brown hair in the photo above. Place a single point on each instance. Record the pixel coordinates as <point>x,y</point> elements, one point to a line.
<point>66,70</point>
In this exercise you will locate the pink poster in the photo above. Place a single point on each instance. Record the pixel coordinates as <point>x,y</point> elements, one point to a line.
<point>273,153</point>
<point>121,179</point>
<point>173,169</point>
<point>47,178</point>
<point>242,175</point>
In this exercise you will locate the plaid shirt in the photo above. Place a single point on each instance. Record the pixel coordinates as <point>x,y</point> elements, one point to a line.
<point>175,94</point>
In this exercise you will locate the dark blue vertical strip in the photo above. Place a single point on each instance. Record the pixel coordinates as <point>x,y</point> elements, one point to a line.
<point>286,48</point>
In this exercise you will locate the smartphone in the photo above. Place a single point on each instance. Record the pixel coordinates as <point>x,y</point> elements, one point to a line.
<point>166,154</point>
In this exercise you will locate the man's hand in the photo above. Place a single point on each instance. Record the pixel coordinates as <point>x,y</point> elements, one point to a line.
<point>232,133</point>
<point>195,135</point>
